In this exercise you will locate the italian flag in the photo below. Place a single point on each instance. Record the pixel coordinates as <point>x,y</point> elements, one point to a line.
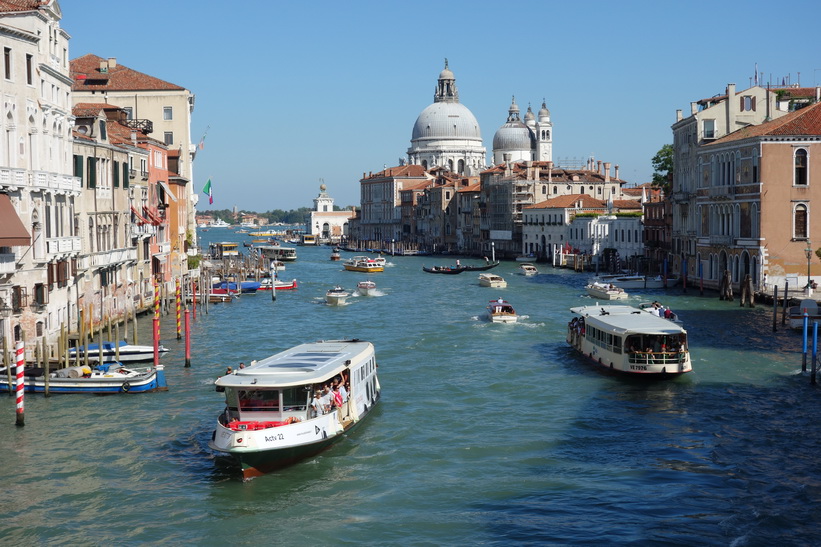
<point>207,190</point>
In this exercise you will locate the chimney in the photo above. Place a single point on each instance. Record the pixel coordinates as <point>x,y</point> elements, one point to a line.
<point>694,108</point>
<point>537,172</point>
<point>112,63</point>
<point>598,167</point>
<point>616,175</point>
<point>607,171</point>
<point>817,93</point>
<point>529,165</point>
<point>134,137</point>
<point>550,171</point>
<point>678,115</point>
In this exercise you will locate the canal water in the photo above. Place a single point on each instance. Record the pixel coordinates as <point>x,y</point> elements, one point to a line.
<point>486,433</point>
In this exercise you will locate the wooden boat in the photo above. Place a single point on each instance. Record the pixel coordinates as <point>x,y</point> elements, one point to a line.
<point>127,352</point>
<point>500,311</point>
<point>628,340</point>
<point>626,281</point>
<point>365,264</point>
<point>492,280</point>
<point>269,284</point>
<point>366,288</point>
<point>795,314</point>
<point>269,421</point>
<point>107,378</point>
<point>336,296</point>
<point>444,270</point>
<point>528,269</point>
<point>335,255</point>
<point>486,267</point>
<point>606,291</point>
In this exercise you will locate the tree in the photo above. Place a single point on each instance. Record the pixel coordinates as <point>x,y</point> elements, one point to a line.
<point>663,168</point>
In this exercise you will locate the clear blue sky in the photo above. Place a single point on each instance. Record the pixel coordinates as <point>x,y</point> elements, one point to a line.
<point>295,92</point>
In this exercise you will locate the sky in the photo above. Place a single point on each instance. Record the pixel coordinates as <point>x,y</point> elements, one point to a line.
<point>291,95</point>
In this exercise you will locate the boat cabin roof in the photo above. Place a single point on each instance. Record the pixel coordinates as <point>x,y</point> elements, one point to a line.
<point>303,364</point>
<point>626,320</point>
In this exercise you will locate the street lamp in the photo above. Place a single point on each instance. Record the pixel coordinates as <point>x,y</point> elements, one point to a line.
<point>808,252</point>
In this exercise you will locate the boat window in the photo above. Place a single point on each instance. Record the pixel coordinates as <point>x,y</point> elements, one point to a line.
<point>295,398</point>
<point>258,400</point>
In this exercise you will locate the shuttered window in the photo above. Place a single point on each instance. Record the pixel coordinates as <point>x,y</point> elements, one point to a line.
<point>125,175</point>
<point>92,172</point>
<point>78,167</point>
<point>116,174</point>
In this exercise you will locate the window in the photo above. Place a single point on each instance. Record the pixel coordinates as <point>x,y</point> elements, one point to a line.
<point>78,167</point>
<point>709,128</point>
<point>800,222</point>
<point>18,298</point>
<point>116,173</point>
<point>40,295</point>
<point>29,68</point>
<point>102,130</point>
<point>167,113</point>
<point>168,137</point>
<point>129,112</point>
<point>747,103</point>
<point>800,167</point>
<point>92,172</point>
<point>7,62</point>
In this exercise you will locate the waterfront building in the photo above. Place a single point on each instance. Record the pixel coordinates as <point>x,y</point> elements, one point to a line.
<point>531,139</point>
<point>155,107</point>
<point>508,188</point>
<point>579,223</point>
<point>436,212</point>
<point>380,201</point>
<point>446,133</point>
<point>469,217</point>
<point>753,204</point>
<point>409,198</point>
<point>325,223</point>
<point>39,236</point>
<point>710,119</point>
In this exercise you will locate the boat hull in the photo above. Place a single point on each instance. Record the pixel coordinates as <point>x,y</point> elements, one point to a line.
<point>602,293</point>
<point>151,381</point>
<point>128,353</point>
<point>366,269</point>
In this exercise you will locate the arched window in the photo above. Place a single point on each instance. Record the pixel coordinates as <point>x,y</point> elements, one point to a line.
<point>461,166</point>
<point>800,167</point>
<point>800,224</point>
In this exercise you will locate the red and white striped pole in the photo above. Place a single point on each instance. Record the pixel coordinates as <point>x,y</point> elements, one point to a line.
<point>156,323</point>
<point>178,297</point>
<point>20,386</point>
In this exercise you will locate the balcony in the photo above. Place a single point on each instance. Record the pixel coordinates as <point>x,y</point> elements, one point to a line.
<point>721,240</point>
<point>63,245</point>
<point>113,258</point>
<point>15,178</point>
<point>146,126</point>
<point>7,263</point>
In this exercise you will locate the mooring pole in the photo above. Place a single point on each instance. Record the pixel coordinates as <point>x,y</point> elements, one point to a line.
<point>187,338</point>
<point>804,342</point>
<point>20,359</point>
<point>775,308</point>
<point>156,323</point>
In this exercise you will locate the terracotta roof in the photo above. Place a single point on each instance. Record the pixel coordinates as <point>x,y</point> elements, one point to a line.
<point>87,76</point>
<point>421,185</point>
<point>398,172</point>
<point>471,188</point>
<point>519,170</point>
<point>624,204</point>
<point>86,110</point>
<point>20,5</point>
<point>802,122</point>
<point>569,200</point>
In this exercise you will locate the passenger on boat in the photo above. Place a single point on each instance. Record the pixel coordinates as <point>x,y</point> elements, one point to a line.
<point>317,408</point>
<point>337,397</point>
<point>229,370</point>
<point>242,365</point>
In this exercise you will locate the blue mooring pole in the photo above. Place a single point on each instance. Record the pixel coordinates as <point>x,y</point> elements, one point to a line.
<point>814,351</point>
<point>804,342</point>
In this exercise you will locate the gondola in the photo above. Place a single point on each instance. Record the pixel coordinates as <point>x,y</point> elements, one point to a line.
<point>445,270</point>
<point>481,268</point>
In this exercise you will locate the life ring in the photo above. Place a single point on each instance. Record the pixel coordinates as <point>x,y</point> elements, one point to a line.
<point>125,387</point>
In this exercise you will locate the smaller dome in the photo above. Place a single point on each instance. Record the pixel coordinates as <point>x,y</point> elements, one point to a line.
<point>529,117</point>
<point>446,74</point>
<point>543,112</point>
<point>513,136</point>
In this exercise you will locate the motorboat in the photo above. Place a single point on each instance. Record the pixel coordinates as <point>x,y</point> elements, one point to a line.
<point>245,287</point>
<point>365,264</point>
<point>278,252</point>
<point>366,288</point>
<point>528,269</point>
<point>606,291</point>
<point>795,314</point>
<point>271,283</point>
<point>113,351</point>
<point>492,280</point>
<point>275,414</point>
<point>336,296</point>
<point>500,311</point>
<point>107,378</point>
<point>336,255</point>
<point>629,281</point>
<point>628,340</point>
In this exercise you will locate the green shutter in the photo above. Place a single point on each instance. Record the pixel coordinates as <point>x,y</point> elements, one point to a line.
<point>92,172</point>
<point>116,174</point>
<point>126,174</point>
<point>78,167</point>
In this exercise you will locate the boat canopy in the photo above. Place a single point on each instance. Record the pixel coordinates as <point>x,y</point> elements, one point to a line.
<point>626,320</point>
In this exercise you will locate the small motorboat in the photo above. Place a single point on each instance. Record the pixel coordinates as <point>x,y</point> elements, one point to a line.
<point>107,378</point>
<point>336,296</point>
<point>606,291</point>
<point>795,314</point>
<point>492,280</point>
<point>270,283</point>
<point>366,288</point>
<point>500,311</point>
<point>528,269</point>
<point>127,352</point>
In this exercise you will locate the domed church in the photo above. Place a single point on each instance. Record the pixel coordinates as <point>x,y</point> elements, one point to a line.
<point>446,134</point>
<point>524,141</point>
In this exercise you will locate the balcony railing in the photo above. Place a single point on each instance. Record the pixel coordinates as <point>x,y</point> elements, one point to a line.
<point>113,257</point>
<point>146,126</point>
<point>62,245</point>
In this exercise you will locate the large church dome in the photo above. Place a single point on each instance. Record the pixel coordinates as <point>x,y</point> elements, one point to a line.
<point>446,121</point>
<point>514,138</point>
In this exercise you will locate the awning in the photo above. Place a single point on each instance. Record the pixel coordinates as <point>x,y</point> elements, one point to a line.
<point>12,231</point>
<point>168,191</point>
<point>139,216</point>
<point>156,220</point>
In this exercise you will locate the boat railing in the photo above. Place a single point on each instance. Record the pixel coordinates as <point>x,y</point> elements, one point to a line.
<point>657,357</point>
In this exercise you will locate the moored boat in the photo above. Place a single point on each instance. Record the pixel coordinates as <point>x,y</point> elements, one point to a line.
<point>487,266</point>
<point>628,340</point>
<point>528,269</point>
<point>278,252</point>
<point>269,284</point>
<point>795,314</point>
<point>365,264</point>
<point>336,296</point>
<point>500,311</point>
<point>628,281</point>
<point>606,291</point>
<point>108,378</point>
<point>276,414</point>
<point>366,288</point>
<point>492,280</point>
<point>127,352</point>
